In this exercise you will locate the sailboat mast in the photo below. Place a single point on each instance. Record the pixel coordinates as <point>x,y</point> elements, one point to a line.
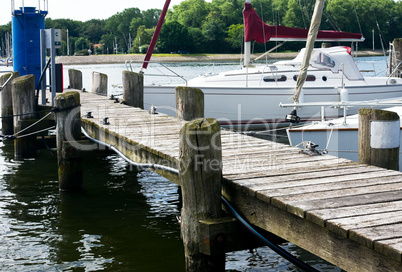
<point>247,46</point>
<point>312,35</point>
<point>156,35</point>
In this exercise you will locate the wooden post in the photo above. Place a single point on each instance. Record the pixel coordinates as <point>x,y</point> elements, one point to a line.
<point>68,131</point>
<point>133,89</point>
<point>7,105</point>
<point>200,176</point>
<point>99,83</point>
<point>23,97</point>
<point>398,56</point>
<point>379,138</point>
<point>75,79</point>
<point>189,103</point>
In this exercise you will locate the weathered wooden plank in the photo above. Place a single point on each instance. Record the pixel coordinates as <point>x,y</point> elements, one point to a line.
<point>306,181</point>
<point>339,200</point>
<point>321,187</point>
<point>321,216</point>
<point>390,247</point>
<point>368,236</point>
<point>300,166</point>
<point>342,226</point>
<point>292,202</point>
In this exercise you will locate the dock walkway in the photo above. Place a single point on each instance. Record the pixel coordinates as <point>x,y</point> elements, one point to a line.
<point>344,212</point>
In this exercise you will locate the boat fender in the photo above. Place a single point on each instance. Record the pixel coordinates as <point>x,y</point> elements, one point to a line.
<point>344,95</point>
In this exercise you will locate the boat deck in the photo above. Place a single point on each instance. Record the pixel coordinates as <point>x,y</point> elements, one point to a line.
<point>344,212</point>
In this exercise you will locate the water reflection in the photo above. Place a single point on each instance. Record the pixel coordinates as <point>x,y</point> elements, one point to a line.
<point>124,220</point>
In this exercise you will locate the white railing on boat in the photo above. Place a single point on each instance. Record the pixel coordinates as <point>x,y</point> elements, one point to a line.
<point>342,105</point>
<point>129,67</point>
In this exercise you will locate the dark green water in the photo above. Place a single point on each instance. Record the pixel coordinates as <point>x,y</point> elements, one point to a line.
<point>124,220</point>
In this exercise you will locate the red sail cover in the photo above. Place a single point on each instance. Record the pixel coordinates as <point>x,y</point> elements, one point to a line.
<point>257,30</point>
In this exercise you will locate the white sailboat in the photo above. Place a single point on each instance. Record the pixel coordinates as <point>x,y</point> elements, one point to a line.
<point>251,95</point>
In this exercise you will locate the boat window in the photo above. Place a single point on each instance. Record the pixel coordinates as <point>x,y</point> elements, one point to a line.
<point>308,78</point>
<point>275,78</point>
<point>322,60</point>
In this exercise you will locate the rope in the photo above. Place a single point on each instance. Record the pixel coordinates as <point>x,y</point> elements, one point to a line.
<point>28,127</point>
<point>329,139</point>
<point>140,165</point>
<point>36,132</point>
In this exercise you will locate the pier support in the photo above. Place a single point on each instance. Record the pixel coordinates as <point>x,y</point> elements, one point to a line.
<point>397,59</point>
<point>23,98</point>
<point>7,124</point>
<point>379,138</point>
<point>68,132</point>
<point>200,177</point>
<point>75,79</point>
<point>99,83</point>
<point>189,103</point>
<point>133,89</point>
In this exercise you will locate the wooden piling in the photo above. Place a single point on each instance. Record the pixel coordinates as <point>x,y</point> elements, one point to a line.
<point>200,176</point>
<point>133,89</point>
<point>397,59</point>
<point>7,105</point>
<point>23,98</point>
<point>189,103</point>
<point>75,79</point>
<point>99,83</point>
<point>68,132</point>
<point>379,138</point>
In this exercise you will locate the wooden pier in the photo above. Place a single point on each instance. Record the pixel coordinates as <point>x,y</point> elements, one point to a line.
<point>344,212</point>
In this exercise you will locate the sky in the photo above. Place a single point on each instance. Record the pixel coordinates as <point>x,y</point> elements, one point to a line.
<point>82,10</point>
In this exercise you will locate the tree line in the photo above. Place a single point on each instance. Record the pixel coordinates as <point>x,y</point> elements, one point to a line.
<point>197,26</point>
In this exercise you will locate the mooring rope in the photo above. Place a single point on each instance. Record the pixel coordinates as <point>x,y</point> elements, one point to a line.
<point>140,165</point>
<point>28,127</point>
<point>36,132</point>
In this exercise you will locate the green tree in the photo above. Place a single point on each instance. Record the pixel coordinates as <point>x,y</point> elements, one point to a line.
<point>143,38</point>
<point>174,36</point>
<point>119,26</point>
<point>235,36</point>
<point>197,41</point>
<point>190,13</point>
<point>93,30</point>
<point>214,32</point>
<point>151,17</point>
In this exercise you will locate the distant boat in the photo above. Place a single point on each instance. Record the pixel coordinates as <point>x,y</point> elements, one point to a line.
<point>251,95</point>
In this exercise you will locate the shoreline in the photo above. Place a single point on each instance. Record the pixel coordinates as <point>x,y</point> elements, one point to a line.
<point>122,58</point>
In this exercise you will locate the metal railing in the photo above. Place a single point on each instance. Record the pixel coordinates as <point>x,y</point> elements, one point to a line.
<point>129,67</point>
